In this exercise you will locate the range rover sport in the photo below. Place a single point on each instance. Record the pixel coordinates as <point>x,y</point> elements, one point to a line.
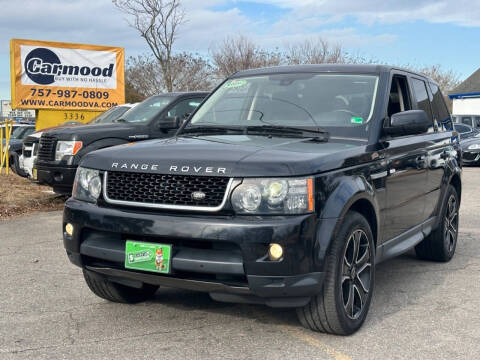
<point>285,188</point>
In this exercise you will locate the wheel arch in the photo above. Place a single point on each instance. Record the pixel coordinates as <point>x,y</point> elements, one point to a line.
<point>354,194</point>
<point>456,182</point>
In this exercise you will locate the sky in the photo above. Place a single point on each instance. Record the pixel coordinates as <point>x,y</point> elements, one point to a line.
<point>417,32</point>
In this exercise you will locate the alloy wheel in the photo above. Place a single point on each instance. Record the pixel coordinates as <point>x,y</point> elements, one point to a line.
<point>451,223</point>
<point>356,274</point>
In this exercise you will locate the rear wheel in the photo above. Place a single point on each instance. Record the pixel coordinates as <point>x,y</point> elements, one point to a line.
<point>115,292</point>
<point>440,245</point>
<point>342,306</point>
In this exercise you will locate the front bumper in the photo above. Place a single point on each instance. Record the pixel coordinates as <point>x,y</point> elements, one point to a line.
<point>223,255</point>
<point>470,157</point>
<point>60,178</point>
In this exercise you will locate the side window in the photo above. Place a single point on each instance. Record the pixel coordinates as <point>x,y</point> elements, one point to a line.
<point>463,130</point>
<point>421,95</point>
<point>399,97</point>
<point>440,110</point>
<point>477,122</point>
<point>184,107</point>
<point>466,120</point>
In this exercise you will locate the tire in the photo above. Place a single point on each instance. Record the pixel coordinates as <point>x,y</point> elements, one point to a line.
<point>115,292</point>
<point>15,166</point>
<point>440,245</point>
<point>332,311</point>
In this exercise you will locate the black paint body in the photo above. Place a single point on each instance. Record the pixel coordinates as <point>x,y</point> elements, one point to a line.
<point>398,184</point>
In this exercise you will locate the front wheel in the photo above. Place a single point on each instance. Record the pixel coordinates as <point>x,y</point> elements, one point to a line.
<point>342,306</point>
<point>115,292</point>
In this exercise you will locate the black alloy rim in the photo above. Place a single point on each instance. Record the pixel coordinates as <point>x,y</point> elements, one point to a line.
<point>356,274</point>
<point>451,223</point>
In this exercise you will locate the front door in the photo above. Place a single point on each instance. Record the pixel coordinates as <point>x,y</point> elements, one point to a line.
<point>406,157</point>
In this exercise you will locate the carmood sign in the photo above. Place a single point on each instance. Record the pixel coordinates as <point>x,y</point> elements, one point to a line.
<point>63,76</point>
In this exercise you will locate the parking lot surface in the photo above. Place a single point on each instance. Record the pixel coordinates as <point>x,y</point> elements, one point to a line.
<point>420,310</point>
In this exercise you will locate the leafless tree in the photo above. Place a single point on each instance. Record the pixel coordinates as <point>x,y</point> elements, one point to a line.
<point>189,72</point>
<point>157,21</point>
<point>446,79</point>
<point>315,51</point>
<point>240,53</point>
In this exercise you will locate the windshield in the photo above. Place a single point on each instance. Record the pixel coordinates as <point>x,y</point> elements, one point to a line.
<point>109,115</point>
<point>21,132</point>
<point>148,109</point>
<point>342,104</point>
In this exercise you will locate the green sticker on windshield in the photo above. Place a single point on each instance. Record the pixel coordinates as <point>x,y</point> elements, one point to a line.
<point>356,120</point>
<point>235,84</point>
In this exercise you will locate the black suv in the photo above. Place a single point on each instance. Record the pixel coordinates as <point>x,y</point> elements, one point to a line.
<point>61,149</point>
<point>285,188</point>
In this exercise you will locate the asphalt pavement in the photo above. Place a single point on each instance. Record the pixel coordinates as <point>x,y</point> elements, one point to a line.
<point>420,310</point>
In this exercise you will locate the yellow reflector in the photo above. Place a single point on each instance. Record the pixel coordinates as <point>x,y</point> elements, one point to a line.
<point>69,229</point>
<point>275,252</point>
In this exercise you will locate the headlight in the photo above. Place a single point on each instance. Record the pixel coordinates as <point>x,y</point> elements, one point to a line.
<point>474,147</point>
<point>274,196</point>
<point>67,148</point>
<point>87,185</point>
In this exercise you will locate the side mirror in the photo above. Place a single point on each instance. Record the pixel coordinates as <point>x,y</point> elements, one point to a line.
<point>168,123</point>
<point>409,122</point>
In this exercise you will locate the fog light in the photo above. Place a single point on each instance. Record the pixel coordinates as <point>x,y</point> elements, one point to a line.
<point>69,229</point>
<point>275,252</point>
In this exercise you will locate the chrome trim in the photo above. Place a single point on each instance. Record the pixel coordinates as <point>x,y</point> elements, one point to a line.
<point>379,175</point>
<point>164,206</point>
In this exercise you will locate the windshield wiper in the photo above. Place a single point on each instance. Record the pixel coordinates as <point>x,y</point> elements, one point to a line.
<point>120,120</point>
<point>316,132</point>
<point>208,129</point>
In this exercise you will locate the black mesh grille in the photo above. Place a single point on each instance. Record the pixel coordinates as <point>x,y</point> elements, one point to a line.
<point>47,146</point>
<point>469,156</point>
<point>166,189</point>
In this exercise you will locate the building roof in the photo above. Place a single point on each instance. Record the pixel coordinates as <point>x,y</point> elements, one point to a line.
<point>470,87</point>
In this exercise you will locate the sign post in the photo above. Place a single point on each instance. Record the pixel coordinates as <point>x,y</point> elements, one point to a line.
<point>74,79</point>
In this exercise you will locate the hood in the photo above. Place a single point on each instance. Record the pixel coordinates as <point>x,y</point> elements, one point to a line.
<point>228,155</point>
<point>469,141</point>
<point>91,132</point>
<point>15,144</point>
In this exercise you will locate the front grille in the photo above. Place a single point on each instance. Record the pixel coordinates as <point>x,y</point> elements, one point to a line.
<point>170,190</point>
<point>46,150</point>
<point>469,156</point>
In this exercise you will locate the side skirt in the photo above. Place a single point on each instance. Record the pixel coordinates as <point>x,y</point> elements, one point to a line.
<point>404,242</point>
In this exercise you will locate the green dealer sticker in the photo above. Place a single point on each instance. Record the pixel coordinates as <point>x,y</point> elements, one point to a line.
<point>235,84</point>
<point>145,256</point>
<point>356,120</point>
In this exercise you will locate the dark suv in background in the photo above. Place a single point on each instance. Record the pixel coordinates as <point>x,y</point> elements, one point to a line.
<point>286,187</point>
<point>60,150</point>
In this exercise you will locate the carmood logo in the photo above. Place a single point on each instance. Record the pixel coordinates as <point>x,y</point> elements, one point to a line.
<point>42,65</point>
<point>34,65</point>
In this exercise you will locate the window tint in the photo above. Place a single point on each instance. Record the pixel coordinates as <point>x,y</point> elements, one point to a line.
<point>399,98</point>
<point>477,122</point>
<point>440,110</point>
<point>421,95</point>
<point>148,109</point>
<point>110,115</point>
<point>466,120</point>
<point>343,104</point>
<point>462,129</point>
<point>184,107</point>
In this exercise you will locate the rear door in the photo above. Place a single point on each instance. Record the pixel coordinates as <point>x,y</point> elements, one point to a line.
<point>440,147</point>
<point>407,170</point>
